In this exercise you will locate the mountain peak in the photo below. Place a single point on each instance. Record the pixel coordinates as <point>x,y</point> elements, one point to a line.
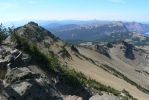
<point>32,23</point>
<point>34,32</point>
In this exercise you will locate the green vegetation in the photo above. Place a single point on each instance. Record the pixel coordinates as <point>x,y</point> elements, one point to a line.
<point>138,42</point>
<point>127,94</point>
<point>70,76</point>
<point>3,33</point>
<point>31,48</point>
<point>39,32</point>
<point>78,80</point>
<point>120,75</point>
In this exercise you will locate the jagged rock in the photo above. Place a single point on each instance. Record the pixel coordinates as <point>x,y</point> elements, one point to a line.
<point>110,45</point>
<point>26,58</point>
<point>74,48</point>
<point>1,84</point>
<point>10,58</point>
<point>65,54</point>
<point>22,84</point>
<point>3,68</point>
<point>103,50</point>
<point>17,74</point>
<point>2,51</point>
<point>3,63</point>
<point>129,51</point>
<point>17,55</point>
<point>15,52</point>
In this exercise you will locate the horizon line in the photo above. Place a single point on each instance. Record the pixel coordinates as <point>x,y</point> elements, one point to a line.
<point>58,20</point>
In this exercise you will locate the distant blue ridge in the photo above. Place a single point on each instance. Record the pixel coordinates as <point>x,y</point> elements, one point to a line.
<point>147,33</point>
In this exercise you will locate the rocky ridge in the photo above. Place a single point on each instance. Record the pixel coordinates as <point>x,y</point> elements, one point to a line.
<point>21,69</point>
<point>18,82</point>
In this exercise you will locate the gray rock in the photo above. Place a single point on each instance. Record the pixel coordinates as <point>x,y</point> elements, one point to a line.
<point>1,85</point>
<point>103,50</point>
<point>15,52</point>
<point>18,74</point>
<point>23,84</point>
<point>10,58</point>
<point>3,63</point>
<point>26,58</point>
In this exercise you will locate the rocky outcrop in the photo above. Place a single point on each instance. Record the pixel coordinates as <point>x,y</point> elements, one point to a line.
<point>75,49</point>
<point>103,50</point>
<point>129,51</point>
<point>64,54</point>
<point>18,82</point>
<point>22,84</point>
<point>109,45</point>
<point>10,58</point>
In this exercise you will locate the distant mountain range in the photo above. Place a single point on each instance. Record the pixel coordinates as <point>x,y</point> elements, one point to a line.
<point>137,27</point>
<point>98,31</point>
<point>77,31</point>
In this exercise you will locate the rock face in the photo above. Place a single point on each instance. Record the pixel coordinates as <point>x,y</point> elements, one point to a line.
<point>74,48</point>
<point>22,84</point>
<point>129,51</point>
<point>137,27</point>
<point>18,82</point>
<point>10,58</point>
<point>103,50</point>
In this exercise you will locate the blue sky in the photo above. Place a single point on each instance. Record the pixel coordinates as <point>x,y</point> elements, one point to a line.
<point>125,10</point>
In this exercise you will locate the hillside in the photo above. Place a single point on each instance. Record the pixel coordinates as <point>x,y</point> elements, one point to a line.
<point>113,71</point>
<point>137,27</point>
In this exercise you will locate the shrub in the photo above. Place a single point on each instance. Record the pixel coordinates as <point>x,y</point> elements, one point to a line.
<point>3,33</point>
<point>120,75</point>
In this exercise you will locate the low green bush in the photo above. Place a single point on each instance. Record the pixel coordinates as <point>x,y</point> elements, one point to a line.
<point>3,33</point>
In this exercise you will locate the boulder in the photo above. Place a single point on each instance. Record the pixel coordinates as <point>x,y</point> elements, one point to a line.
<point>3,63</point>
<point>23,84</point>
<point>26,58</point>
<point>15,52</point>
<point>18,74</point>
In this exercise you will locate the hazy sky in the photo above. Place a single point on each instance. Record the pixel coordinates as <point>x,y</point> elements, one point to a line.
<point>128,10</point>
